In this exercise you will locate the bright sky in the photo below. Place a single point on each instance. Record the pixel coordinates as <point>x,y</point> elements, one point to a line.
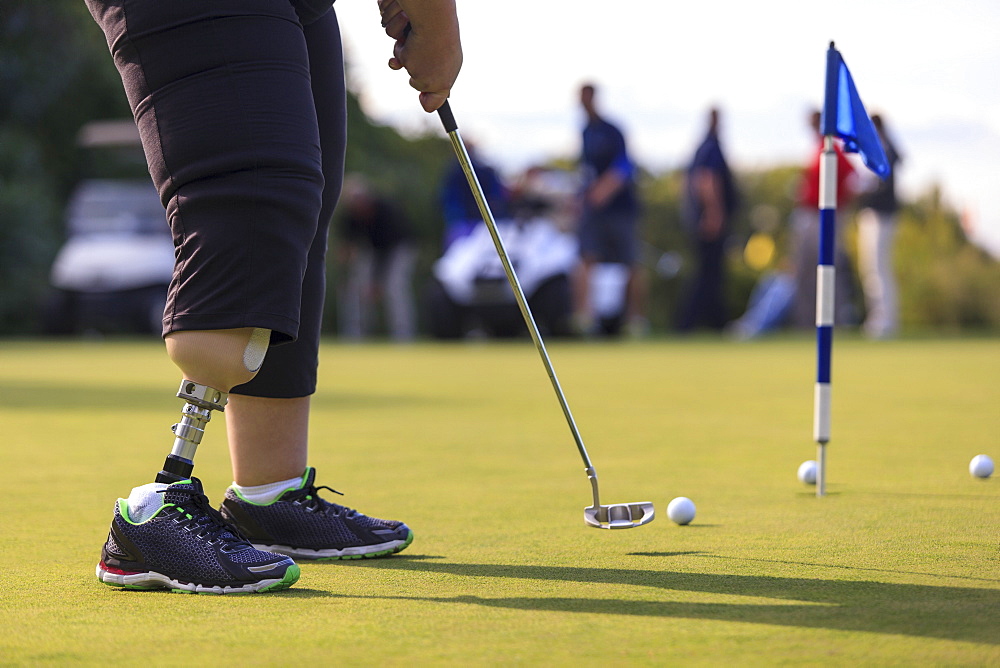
<point>931,68</point>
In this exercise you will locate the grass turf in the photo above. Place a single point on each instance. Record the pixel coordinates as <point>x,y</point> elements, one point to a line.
<point>898,565</point>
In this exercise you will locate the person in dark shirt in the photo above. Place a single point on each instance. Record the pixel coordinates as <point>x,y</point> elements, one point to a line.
<point>879,208</point>
<point>708,204</point>
<point>608,225</point>
<point>379,253</point>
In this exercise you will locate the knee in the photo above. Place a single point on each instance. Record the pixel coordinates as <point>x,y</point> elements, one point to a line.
<point>219,358</point>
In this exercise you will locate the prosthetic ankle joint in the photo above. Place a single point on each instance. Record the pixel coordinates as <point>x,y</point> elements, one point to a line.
<point>200,401</point>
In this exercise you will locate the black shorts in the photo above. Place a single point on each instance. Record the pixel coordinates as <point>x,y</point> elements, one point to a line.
<point>241,110</point>
<point>608,237</point>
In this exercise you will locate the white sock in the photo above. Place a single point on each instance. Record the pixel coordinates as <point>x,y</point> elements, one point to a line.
<point>265,494</point>
<point>144,501</point>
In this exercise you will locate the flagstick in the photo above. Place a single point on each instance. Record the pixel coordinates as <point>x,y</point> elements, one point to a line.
<point>843,117</point>
<point>825,271</point>
<point>825,280</point>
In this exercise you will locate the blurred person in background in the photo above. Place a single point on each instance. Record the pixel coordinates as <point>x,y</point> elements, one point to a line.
<point>878,209</point>
<point>461,212</point>
<point>709,201</point>
<point>805,236</point>
<point>609,221</point>
<point>379,254</point>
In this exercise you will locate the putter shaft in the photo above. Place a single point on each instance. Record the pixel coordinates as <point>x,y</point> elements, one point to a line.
<point>451,127</point>
<point>616,516</point>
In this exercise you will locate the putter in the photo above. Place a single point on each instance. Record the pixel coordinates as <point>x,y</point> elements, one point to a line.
<point>611,516</point>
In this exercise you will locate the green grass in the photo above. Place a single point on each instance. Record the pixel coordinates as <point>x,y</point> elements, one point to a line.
<point>898,565</point>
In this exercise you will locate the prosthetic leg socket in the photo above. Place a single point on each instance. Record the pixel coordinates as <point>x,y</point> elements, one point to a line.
<point>200,401</point>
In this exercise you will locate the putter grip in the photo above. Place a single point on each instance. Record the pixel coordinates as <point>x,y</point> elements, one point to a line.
<point>447,118</point>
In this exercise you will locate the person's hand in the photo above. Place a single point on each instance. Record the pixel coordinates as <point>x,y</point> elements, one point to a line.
<point>427,46</point>
<point>708,188</point>
<point>710,225</point>
<point>604,188</point>
<point>394,19</point>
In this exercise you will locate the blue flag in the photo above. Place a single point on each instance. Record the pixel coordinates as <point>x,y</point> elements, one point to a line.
<point>844,116</point>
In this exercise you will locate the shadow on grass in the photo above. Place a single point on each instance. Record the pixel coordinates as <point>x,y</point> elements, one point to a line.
<point>952,613</point>
<point>836,566</point>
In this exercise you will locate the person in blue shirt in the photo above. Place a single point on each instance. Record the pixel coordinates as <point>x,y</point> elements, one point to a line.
<point>461,212</point>
<point>608,223</point>
<point>707,207</point>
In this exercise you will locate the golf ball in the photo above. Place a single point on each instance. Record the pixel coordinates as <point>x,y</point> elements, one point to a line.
<point>807,472</point>
<point>981,466</point>
<point>681,510</point>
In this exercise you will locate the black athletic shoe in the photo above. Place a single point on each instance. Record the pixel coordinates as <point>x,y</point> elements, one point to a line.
<point>188,548</point>
<point>303,525</point>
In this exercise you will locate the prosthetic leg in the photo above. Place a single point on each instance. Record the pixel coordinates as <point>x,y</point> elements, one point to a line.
<point>224,358</point>
<point>200,401</point>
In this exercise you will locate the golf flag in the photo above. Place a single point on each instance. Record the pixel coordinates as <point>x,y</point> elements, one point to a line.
<point>844,116</point>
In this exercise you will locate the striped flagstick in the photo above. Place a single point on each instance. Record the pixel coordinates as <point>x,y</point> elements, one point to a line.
<point>825,280</point>
<point>825,271</point>
<point>844,116</point>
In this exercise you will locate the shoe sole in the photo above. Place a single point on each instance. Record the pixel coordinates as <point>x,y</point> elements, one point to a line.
<point>150,580</point>
<point>359,552</point>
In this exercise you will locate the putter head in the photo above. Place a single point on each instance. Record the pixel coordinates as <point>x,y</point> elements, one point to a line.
<point>619,515</point>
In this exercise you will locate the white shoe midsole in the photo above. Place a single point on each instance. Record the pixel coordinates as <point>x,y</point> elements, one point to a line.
<point>152,579</point>
<point>305,553</point>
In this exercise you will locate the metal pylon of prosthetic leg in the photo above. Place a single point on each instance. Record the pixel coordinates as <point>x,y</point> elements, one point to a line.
<point>199,402</point>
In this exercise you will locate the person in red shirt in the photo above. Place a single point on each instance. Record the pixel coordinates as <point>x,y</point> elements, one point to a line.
<point>804,225</point>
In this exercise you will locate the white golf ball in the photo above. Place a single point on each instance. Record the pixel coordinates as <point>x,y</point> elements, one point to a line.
<point>807,472</point>
<point>681,510</point>
<point>981,466</point>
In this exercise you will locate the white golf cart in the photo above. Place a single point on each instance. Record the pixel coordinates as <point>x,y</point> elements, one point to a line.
<point>111,275</point>
<point>469,293</point>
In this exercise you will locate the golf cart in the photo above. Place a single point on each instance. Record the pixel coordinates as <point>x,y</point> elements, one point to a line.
<point>112,273</point>
<point>468,293</point>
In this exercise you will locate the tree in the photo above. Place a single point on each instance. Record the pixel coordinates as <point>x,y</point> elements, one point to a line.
<point>55,74</point>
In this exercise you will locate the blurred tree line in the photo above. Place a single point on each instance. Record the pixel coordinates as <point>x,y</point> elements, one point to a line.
<point>56,75</point>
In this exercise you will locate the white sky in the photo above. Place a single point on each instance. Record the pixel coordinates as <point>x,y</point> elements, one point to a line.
<point>931,68</point>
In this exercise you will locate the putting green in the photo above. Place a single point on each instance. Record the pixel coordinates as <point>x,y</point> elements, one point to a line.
<point>466,443</point>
